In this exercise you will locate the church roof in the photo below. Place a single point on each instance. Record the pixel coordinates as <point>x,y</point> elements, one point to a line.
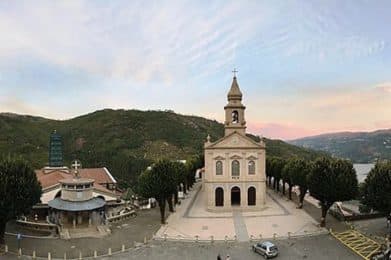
<point>65,205</point>
<point>234,92</point>
<point>225,142</point>
<point>50,178</point>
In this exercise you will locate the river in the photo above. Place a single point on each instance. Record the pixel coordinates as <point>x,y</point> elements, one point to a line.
<point>362,170</point>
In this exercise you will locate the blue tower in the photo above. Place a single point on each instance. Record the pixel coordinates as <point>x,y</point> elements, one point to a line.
<point>55,150</point>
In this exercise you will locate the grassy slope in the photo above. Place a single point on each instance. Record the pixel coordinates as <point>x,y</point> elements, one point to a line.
<point>110,137</point>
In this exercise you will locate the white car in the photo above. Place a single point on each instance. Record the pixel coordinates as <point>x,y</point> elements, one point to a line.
<point>267,249</point>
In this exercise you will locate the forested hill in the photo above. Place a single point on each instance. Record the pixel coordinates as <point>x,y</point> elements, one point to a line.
<point>357,146</point>
<point>125,141</point>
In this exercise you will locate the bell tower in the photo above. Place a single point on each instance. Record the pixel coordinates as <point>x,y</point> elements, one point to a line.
<point>234,110</point>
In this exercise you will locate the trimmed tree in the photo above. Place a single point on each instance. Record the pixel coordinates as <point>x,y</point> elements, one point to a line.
<point>180,176</point>
<point>19,190</point>
<point>376,189</point>
<point>287,176</point>
<point>300,169</point>
<point>158,183</point>
<point>277,166</point>
<point>269,170</point>
<point>330,181</point>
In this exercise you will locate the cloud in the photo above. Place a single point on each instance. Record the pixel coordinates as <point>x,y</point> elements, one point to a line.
<point>83,55</point>
<point>315,110</point>
<point>133,40</point>
<point>384,87</point>
<point>279,131</point>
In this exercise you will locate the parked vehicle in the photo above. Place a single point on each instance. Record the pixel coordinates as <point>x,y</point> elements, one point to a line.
<point>266,249</point>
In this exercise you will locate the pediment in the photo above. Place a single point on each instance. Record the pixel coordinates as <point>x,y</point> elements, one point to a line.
<point>219,158</point>
<point>235,157</point>
<point>252,158</point>
<point>234,140</point>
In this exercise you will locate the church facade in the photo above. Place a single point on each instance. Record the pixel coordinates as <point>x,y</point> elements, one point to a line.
<point>235,164</point>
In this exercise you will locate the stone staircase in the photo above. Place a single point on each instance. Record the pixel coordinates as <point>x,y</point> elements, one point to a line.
<point>64,234</point>
<point>98,231</point>
<point>103,230</point>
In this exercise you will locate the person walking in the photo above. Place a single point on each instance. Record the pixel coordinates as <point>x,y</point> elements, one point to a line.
<point>228,258</point>
<point>219,257</point>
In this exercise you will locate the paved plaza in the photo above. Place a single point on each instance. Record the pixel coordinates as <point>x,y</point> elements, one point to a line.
<point>191,219</point>
<point>127,232</point>
<point>372,227</point>
<point>279,217</point>
<point>320,248</point>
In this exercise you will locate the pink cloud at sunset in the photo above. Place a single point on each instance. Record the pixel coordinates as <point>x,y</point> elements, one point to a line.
<point>316,111</point>
<point>279,131</point>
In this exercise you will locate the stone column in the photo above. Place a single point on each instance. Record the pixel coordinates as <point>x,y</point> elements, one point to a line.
<point>209,196</point>
<point>227,196</point>
<point>262,192</point>
<point>89,218</point>
<point>79,218</point>
<point>243,196</point>
<point>74,220</point>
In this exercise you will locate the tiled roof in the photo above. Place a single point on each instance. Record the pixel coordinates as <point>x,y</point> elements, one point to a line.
<point>49,178</point>
<point>100,175</point>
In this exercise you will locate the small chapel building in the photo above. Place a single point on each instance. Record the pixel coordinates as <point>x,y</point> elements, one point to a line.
<point>73,198</point>
<point>235,164</point>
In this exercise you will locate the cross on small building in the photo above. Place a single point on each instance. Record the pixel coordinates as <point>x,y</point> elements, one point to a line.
<point>234,72</point>
<point>76,164</point>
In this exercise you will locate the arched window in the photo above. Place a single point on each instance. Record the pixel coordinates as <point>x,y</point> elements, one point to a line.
<point>235,168</point>
<point>219,197</point>
<point>235,117</point>
<point>251,167</point>
<point>251,196</point>
<point>219,168</point>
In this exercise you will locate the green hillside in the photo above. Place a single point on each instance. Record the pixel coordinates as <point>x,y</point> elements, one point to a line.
<point>125,141</point>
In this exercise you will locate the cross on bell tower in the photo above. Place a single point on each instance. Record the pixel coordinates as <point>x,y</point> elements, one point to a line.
<point>234,72</point>
<point>234,110</point>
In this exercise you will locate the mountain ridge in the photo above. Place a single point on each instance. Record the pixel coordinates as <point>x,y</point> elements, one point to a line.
<point>125,141</point>
<point>360,147</point>
<point>343,133</point>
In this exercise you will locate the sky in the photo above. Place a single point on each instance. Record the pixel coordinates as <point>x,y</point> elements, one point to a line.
<point>304,67</point>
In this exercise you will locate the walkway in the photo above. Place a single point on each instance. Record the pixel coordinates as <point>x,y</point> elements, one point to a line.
<point>322,247</point>
<point>240,226</point>
<point>279,218</point>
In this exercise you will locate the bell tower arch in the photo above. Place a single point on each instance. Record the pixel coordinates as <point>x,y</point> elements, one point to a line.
<point>234,110</point>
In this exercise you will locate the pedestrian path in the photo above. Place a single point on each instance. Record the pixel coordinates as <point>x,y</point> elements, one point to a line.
<point>358,243</point>
<point>280,218</point>
<point>240,226</point>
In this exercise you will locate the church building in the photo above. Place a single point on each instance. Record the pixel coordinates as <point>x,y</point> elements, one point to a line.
<point>235,164</point>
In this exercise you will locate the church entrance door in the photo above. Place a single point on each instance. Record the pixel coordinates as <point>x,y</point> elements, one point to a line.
<point>251,196</point>
<point>219,197</point>
<point>235,196</point>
